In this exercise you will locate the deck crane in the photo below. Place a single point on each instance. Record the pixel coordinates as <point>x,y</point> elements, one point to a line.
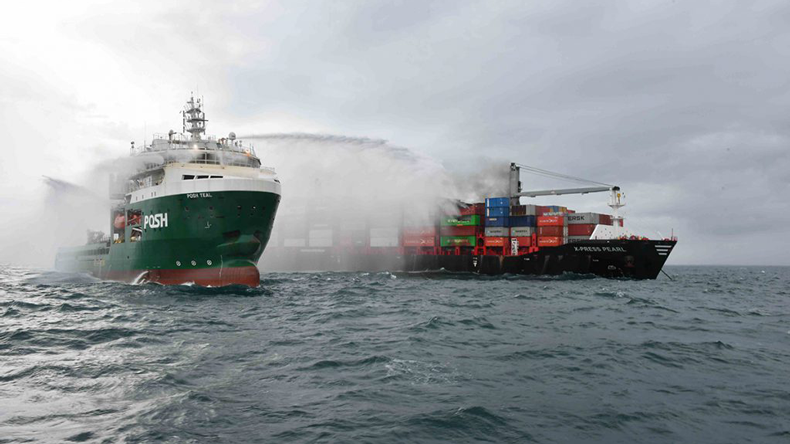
<point>615,199</point>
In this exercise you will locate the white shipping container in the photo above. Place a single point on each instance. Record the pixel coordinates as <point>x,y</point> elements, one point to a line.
<point>294,243</point>
<point>583,218</point>
<point>497,231</point>
<point>384,241</point>
<point>522,231</point>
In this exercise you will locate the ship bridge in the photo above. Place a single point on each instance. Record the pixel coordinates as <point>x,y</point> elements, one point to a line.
<point>190,146</point>
<point>191,155</point>
<point>180,148</point>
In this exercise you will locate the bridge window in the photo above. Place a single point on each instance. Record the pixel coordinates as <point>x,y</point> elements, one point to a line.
<point>187,177</point>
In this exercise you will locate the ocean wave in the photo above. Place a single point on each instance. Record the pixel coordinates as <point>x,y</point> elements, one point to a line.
<point>425,357</point>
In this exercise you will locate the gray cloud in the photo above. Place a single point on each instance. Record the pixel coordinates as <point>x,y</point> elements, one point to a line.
<point>683,104</point>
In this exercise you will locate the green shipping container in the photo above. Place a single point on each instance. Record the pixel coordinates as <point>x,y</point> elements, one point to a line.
<point>472,220</point>
<point>458,241</point>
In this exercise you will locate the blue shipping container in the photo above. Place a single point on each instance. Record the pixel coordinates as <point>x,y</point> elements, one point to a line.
<point>497,211</point>
<point>493,202</point>
<point>523,221</point>
<point>497,221</point>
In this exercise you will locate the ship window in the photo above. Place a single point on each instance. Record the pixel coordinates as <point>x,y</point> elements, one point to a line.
<point>134,217</point>
<point>216,177</point>
<point>136,235</point>
<point>188,177</point>
<point>202,177</point>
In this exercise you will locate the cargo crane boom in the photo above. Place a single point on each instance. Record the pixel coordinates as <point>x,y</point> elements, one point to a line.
<point>615,201</point>
<point>564,191</point>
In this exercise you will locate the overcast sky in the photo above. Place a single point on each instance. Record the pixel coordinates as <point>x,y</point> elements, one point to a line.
<point>683,104</point>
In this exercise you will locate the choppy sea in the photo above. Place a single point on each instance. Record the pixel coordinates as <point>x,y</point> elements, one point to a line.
<point>398,358</point>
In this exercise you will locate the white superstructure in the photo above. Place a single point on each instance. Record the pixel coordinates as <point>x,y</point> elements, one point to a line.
<point>189,162</point>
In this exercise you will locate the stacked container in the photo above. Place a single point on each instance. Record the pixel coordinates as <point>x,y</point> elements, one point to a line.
<point>460,231</point>
<point>419,236</point>
<point>319,236</point>
<point>582,225</point>
<point>291,225</point>
<point>497,222</point>
<point>554,229</point>
<point>497,212</point>
<point>522,224</point>
<point>468,210</point>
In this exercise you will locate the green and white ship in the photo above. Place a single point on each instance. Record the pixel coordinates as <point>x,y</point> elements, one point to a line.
<point>197,210</point>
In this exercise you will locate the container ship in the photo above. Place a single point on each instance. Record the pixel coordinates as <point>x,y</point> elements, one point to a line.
<point>494,236</point>
<point>195,209</point>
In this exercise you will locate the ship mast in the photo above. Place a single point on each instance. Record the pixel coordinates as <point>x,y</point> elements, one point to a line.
<point>194,116</point>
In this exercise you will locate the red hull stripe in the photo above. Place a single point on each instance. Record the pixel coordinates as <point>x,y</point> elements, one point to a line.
<point>215,277</point>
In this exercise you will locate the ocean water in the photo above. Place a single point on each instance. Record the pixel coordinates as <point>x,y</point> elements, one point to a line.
<point>398,358</point>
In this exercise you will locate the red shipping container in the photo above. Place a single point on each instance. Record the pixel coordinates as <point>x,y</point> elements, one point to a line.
<point>551,231</point>
<point>495,241</point>
<point>551,221</point>
<point>606,219</point>
<point>523,241</point>
<point>478,208</point>
<point>550,241</point>
<point>541,210</point>
<point>581,229</point>
<point>419,241</point>
<point>419,231</point>
<point>460,231</point>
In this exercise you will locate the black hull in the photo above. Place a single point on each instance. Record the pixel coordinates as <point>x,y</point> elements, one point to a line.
<point>607,258</point>
<point>634,259</point>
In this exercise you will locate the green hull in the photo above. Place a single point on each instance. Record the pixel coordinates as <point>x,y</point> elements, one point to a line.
<point>212,238</point>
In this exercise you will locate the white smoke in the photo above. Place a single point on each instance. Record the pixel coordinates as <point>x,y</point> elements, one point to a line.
<point>60,217</point>
<point>346,177</point>
<point>352,175</point>
<point>363,174</point>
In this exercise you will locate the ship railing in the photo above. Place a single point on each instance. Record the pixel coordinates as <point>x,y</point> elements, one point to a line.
<point>134,185</point>
<point>168,142</point>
